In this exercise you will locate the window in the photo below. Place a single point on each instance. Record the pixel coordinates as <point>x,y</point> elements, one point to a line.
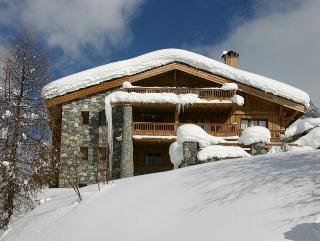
<point>102,153</point>
<point>102,118</point>
<point>152,117</point>
<point>153,159</point>
<point>84,153</point>
<point>84,118</point>
<point>247,123</point>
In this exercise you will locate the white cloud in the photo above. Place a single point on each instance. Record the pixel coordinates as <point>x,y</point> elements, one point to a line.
<point>281,41</point>
<point>75,24</point>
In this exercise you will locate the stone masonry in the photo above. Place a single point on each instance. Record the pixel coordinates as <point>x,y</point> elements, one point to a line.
<point>74,135</point>
<point>190,151</point>
<point>127,167</point>
<point>117,125</point>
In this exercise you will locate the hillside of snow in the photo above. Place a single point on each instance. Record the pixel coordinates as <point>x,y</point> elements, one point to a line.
<point>267,198</point>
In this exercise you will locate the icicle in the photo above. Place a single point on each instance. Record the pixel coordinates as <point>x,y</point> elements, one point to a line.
<point>108,110</point>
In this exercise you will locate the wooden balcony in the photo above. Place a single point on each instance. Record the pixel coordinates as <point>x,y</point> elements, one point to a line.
<point>206,93</point>
<point>154,128</point>
<point>169,129</point>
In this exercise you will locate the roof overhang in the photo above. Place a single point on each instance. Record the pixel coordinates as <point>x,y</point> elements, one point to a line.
<point>116,83</point>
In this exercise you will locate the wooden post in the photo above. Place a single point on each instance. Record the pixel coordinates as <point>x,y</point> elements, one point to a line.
<point>176,120</point>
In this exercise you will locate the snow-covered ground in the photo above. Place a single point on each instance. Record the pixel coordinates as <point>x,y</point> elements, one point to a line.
<point>267,198</point>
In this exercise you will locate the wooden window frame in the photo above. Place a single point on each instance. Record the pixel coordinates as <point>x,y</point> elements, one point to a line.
<point>84,153</point>
<point>254,119</point>
<point>85,117</point>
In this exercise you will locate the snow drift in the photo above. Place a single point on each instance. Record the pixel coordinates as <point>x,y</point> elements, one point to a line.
<point>269,197</point>
<point>300,126</point>
<point>312,139</point>
<point>221,152</point>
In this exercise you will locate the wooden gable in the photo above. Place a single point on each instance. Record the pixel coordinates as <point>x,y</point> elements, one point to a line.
<point>215,79</point>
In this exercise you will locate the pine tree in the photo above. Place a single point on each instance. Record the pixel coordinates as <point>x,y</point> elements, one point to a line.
<point>313,111</point>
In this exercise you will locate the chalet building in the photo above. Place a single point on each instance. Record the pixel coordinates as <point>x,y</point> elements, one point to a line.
<point>121,118</point>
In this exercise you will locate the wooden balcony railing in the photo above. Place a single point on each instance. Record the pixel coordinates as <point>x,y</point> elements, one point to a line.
<point>201,92</point>
<point>154,128</point>
<point>167,129</point>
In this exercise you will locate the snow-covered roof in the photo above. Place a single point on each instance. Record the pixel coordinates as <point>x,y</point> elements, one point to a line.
<point>162,57</point>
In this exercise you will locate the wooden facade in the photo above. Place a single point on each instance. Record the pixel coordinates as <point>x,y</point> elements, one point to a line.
<point>159,120</point>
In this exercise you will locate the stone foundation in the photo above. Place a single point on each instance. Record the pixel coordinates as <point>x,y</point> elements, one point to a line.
<point>258,149</point>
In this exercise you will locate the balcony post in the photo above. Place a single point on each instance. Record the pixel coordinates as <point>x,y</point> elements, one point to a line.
<point>176,120</point>
<point>126,165</point>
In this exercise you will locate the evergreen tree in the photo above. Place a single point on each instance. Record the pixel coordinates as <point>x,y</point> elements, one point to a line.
<point>313,111</point>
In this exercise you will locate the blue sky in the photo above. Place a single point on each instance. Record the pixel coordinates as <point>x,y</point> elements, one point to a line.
<point>170,24</point>
<point>167,24</point>
<point>276,38</point>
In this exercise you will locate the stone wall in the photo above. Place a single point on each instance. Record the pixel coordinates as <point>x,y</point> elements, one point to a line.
<point>127,167</point>
<point>117,124</point>
<point>190,151</point>
<point>74,135</point>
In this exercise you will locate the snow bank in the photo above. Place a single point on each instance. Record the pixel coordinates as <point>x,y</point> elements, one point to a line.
<point>221,152</point>
<point>262,198</point>
<point>287,148</point>
<point>191,132</point>
<point>300,126</point>
<point>255,134</point>
<point>162,57</point>
<point>311,139</point>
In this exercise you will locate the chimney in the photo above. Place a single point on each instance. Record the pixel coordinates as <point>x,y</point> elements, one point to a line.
<point>230,58</point>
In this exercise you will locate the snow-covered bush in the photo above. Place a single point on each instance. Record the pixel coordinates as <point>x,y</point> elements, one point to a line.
<point>255,134</point>
<point>221,152</point>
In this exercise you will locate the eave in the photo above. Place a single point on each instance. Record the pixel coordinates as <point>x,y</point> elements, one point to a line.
<point>116,83</point>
